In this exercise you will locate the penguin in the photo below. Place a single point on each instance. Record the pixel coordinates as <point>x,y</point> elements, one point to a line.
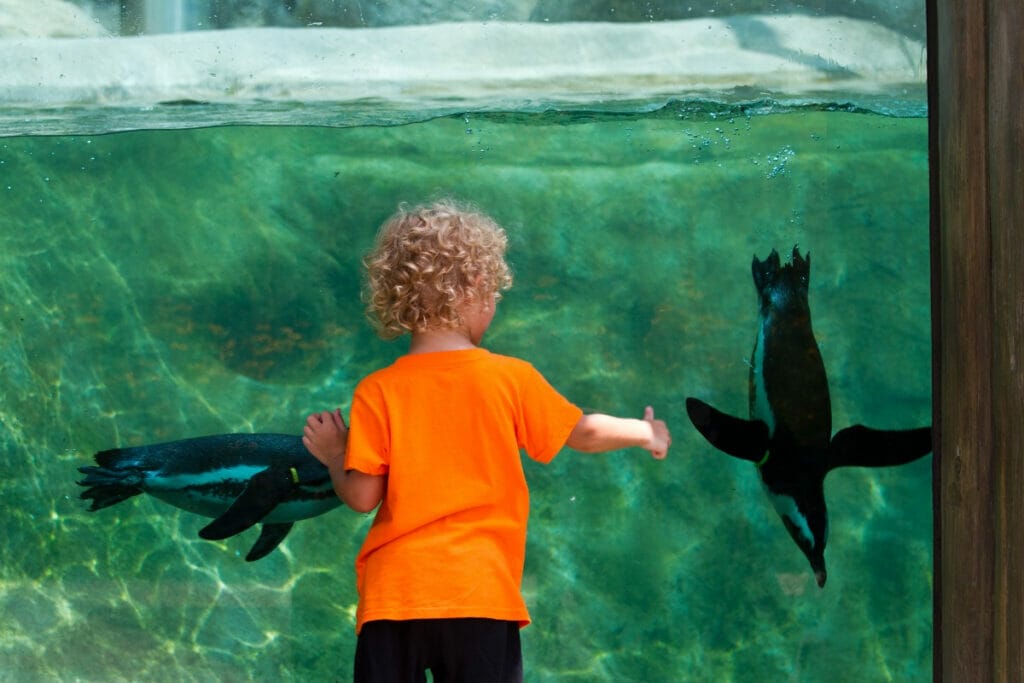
<point>788,435</point>
<point>238,479</point>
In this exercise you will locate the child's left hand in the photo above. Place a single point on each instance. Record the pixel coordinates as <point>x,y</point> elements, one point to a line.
<point>325,435</point>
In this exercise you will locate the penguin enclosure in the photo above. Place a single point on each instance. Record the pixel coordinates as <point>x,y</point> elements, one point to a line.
<point>189,187</point>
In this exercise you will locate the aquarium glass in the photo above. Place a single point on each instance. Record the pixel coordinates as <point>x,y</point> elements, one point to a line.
<point>188,188</point>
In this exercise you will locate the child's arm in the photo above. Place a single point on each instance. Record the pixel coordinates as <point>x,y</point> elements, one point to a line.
<point>595,433</point>
<point>324,436</point>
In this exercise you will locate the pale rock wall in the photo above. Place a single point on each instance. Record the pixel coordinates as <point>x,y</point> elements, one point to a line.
<point>46,19</point>
<point>121,16</point>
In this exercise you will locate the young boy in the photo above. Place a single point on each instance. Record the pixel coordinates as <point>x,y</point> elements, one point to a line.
<point>435,440</point>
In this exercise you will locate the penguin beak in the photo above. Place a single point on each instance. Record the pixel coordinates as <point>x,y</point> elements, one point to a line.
<point>820,577</point>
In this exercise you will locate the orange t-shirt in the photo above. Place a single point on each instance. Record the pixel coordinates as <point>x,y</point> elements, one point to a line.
<point>449,539</point>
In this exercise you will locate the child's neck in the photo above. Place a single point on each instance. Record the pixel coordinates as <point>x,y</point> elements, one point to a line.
<point>430,341</point>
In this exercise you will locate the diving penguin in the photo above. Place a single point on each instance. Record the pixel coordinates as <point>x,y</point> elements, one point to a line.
<point>238,479</point>
<point>789,433</point>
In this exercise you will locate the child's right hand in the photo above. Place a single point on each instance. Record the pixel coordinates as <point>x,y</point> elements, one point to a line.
<point>661,439</point>
<point>325,436</point>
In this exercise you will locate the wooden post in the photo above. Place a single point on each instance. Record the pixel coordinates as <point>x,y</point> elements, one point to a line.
<point>977,144</point>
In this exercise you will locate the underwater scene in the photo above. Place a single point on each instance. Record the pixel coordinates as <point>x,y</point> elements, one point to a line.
<point>160,285</point>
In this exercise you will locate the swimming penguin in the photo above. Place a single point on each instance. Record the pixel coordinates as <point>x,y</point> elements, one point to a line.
<point>238,479</point>
<point>789,433</point>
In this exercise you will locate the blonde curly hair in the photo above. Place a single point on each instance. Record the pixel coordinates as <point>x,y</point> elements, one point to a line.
<point>429,260</point>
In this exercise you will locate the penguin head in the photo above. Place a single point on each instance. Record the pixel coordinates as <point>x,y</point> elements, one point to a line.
<point>814,550</point>
<point>820,575</point>
<point>782,287</point>
<point>807,523</point>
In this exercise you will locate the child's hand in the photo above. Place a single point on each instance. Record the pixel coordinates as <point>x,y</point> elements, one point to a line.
<point>325,435</point>
<point>660,437</point>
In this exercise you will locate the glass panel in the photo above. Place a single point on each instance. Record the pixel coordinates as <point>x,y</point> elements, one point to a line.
<point>189,188</point>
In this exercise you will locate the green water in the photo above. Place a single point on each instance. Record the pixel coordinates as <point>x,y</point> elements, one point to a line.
<point>160,285</point>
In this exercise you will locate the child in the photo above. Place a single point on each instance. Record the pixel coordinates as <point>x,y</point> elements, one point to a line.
<point>436,436</point>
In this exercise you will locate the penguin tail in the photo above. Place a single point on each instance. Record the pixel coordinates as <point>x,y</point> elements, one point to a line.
<point>107,484</point>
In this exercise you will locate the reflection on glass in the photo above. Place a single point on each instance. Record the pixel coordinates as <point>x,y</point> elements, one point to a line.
<point>184,217</point>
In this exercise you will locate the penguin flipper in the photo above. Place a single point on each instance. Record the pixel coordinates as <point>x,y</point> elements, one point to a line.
<point>744,439</point>
<point>261,495</point>
<point>270,537</point>
<point>860,446</point>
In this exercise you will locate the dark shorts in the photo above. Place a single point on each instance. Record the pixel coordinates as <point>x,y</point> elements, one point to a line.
<point>455,651</point>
